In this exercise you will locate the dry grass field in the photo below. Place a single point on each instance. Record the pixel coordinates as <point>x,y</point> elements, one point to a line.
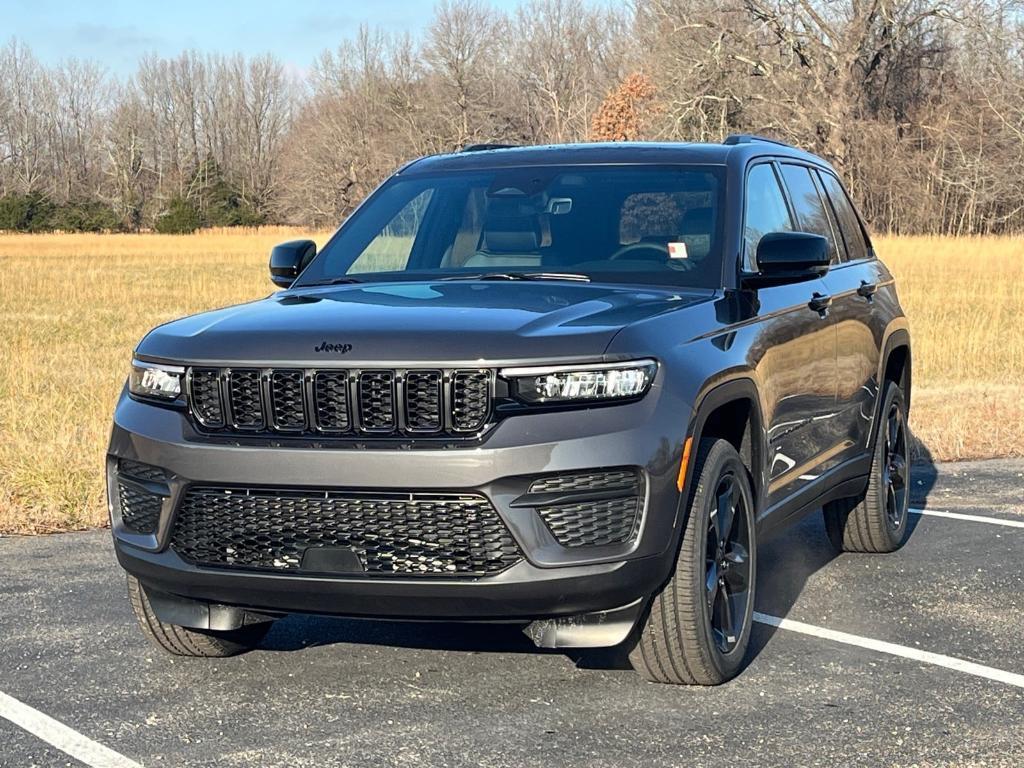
<point>72,308</point>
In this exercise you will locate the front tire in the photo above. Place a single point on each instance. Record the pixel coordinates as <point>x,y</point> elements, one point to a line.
<point>697,629</point>
<point>182,641</point>
<point>877,523</point>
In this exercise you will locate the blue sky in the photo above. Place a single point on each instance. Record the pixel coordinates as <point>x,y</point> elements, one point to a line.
<point>117,32</point>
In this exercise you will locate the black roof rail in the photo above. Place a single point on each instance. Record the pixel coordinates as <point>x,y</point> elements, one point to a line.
<point>485,147</point>
<point>748,138</point>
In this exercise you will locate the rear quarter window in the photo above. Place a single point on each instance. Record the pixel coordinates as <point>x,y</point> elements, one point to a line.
<point>849,223</point>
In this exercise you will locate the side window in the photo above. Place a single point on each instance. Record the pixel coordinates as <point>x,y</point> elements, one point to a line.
<point>810,209</point>
<point>391,248</point>
<point>849,224</point>
<point>765,211</point>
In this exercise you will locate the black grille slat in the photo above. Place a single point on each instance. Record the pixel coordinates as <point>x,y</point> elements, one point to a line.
<point>391,534</point>
<point>471,400</point>
<point>593,523</point>
<point>377,401</point>
<point>423,401</point>
<point>245,396</point>
<point>342,403</point>
<point>205,396</point>
<point>287,402</point>
<point>330,401</point>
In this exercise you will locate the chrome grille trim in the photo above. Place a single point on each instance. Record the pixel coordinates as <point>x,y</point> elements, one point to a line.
<point>368,402</point>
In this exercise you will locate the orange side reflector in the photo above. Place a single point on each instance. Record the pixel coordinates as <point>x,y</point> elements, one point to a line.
<point>681,480</point>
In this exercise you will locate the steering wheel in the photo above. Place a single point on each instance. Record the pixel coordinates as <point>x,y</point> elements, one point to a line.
<point>650,252</point>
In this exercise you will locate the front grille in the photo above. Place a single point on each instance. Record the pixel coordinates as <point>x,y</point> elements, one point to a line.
<point>388,402</point>
<point>390,534</point>
<point>140,509</point>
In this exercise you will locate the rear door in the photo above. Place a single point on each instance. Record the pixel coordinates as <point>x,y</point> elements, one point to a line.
<point>854,285</point>
<point>795,352</point>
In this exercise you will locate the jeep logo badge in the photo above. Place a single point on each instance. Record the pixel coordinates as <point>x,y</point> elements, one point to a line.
<point>340,349</point>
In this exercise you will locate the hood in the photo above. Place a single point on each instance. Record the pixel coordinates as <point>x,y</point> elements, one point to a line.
<point>415,322</point>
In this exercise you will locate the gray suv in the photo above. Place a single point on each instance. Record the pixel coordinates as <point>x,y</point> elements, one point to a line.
<point>568,387</point>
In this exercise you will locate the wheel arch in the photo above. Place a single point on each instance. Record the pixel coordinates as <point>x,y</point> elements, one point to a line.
<point>895,364</point>
<point>731,411</point>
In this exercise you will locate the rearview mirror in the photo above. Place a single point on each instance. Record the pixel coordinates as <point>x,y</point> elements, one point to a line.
<point>789,257</point>
<point>287,261</point>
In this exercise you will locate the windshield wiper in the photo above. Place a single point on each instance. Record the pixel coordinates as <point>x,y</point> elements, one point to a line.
<point>523,276</point>
<point>332,281</point>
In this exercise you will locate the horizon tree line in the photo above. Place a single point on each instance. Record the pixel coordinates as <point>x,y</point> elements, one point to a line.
<point>919,105</point>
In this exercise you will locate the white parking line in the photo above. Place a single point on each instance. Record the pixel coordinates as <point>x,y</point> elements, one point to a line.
<point>881,646</point>
<point>969,518</point>
<point>58,735</point>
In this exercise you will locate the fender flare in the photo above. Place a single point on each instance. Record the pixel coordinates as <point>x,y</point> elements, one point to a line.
<point>897,337</point>
<point>740,388</point>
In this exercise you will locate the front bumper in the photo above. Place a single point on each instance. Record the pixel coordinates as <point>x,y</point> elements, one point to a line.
<point>550,581</point>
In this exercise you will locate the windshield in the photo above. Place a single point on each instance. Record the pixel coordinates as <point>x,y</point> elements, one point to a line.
<point>624,224</point>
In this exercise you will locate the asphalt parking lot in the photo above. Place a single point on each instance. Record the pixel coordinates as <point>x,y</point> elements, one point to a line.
<point>347,693</point>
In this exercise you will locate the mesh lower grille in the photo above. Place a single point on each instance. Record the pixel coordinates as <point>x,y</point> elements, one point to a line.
<point>141,471</point>
<point>403,534</point>
<point>586,481</point>
<point>592,523</point>
<point>140,511</point>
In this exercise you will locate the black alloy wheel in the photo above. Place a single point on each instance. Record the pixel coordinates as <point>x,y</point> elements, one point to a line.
<point>727,568</point>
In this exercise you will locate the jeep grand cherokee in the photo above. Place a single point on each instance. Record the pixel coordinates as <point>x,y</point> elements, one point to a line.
<point>565,386</point>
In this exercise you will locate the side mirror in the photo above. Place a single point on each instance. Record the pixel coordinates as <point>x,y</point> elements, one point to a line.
<point>287,260</point>
<point>789,257</point>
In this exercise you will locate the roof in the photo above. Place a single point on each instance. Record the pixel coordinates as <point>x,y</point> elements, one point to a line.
<point>603,153</point>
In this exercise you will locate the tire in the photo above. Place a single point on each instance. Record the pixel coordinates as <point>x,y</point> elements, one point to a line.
<point>877,522</point>
<point>683,639</point>
<point>181,641</point>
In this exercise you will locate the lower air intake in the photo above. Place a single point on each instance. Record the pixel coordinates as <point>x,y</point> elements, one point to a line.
<point>390,534</point>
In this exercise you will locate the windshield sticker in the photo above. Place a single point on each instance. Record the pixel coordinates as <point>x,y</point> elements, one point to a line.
<point>677,251</point>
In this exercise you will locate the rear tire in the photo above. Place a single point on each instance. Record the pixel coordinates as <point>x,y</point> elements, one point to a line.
<point>877,522</point>
<point>181,641</point>
<point>697,628</point>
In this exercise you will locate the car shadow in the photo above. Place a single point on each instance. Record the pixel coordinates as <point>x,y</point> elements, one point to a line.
<point>786,562</point>
<point>297,632</point>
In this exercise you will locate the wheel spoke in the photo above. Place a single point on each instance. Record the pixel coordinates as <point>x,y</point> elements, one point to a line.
<point>726,617</point>
<point>897,471</point>
<point>725,512</point>
<point>737,572</point>
<point>711,583</point>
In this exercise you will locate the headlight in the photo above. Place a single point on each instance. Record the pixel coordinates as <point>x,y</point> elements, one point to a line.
<point>158,381</point>
<point>569,383</point>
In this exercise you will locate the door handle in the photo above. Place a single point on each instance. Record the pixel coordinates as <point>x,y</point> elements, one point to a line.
<point>820,303</point>
<point>867,290</point>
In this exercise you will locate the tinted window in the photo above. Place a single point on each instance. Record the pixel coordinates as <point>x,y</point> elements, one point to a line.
<point>809,207</point>
<point>766,211</point>
<point>849,224</point>
<point>612,223</point>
